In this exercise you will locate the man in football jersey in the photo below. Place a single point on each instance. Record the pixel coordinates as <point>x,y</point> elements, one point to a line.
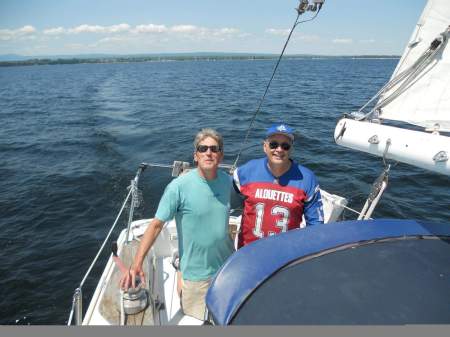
<point>277,191</point>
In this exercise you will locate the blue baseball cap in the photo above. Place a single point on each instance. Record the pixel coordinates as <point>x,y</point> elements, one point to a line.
<point>280,129</point>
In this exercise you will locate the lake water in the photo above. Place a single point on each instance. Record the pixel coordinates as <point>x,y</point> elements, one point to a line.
<point>72,137</point>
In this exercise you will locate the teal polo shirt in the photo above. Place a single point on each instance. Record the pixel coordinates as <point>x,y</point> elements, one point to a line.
<point>201,211</point>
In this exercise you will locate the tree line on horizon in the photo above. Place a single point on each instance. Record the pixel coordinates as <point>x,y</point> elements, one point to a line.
<point>128,59</point>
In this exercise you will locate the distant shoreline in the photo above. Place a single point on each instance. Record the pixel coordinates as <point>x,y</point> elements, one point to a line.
<point>175,57</point>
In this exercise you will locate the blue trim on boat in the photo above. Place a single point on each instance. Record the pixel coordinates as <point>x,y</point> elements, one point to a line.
<point>251,265</point>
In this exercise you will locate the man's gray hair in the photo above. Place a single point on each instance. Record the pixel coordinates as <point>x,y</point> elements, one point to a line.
<point>205,133</point>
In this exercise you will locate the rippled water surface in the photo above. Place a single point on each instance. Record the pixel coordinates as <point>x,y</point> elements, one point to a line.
<point>72,137</point>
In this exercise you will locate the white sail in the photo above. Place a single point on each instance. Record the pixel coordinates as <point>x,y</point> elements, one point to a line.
<point>418,93</point>
<point>426,100</point>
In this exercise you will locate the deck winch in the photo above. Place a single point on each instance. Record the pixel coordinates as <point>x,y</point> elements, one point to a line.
<point>134,300</point>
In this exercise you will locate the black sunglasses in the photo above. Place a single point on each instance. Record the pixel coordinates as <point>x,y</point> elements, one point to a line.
<point>285,146</point>
<point>204,148</point>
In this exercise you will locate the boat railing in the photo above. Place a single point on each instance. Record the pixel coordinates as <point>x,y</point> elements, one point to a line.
<point>177,168</point>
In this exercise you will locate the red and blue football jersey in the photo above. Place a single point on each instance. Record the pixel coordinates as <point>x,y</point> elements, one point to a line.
<point>274,205</point>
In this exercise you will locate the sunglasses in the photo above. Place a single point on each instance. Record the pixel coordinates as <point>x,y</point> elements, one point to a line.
<point>204,148</point>
<point>274,145</point>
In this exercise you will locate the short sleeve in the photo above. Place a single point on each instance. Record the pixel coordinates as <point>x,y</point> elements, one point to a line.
<point>168,205</point>
<point>313,210</point>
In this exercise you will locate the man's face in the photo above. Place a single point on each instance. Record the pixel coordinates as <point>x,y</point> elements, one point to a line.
<point>277,155</point>
<point>209,160</point>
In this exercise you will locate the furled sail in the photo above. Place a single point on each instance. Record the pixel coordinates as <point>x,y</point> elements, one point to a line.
<point>423,97</point>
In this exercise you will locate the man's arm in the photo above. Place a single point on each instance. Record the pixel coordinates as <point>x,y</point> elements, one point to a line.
<point>150,235</point>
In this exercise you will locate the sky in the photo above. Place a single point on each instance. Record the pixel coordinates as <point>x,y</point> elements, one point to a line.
<point>72,27</point>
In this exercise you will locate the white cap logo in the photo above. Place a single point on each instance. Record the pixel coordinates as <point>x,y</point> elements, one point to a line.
<point>281,128</point>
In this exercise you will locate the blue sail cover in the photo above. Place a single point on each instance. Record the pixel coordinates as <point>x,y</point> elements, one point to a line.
<point>351,272</point>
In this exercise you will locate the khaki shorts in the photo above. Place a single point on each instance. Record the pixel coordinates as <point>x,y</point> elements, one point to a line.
<point>193,298</point>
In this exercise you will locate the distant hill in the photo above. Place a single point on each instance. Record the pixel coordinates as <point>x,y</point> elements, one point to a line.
<point>16,57</point>
<point>20,60</point>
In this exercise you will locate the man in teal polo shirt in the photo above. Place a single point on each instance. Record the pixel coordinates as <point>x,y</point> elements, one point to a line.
<point>199,200</point>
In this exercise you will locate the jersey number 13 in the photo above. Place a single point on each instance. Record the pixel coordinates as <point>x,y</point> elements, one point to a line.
<point>281,223</point>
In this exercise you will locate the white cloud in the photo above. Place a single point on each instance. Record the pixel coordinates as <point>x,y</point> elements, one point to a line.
<point>54,31</point>
<point>123,27</point>
<point>5,34</point>
<point>10,34</point>
<point>229,31</point>
<point>87,29</point>
<point>343,41</point>
<point>26,30</point>
<point>191,30</point>
<point>150,28</point>
<point>226,31</point>
<point>122,35</point>
<point>120,28</point>
<point>185,29</point>
<point>278,32</point>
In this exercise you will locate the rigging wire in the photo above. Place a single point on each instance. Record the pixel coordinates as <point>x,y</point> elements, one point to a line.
<point>296,23</point>
<point>407,76</point>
